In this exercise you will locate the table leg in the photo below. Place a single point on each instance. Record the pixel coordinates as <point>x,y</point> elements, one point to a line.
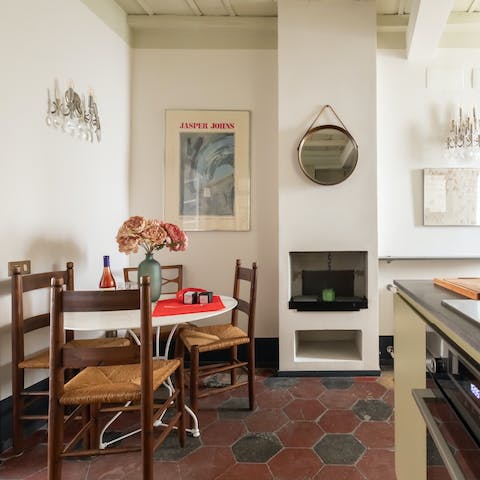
<point>194,431</point>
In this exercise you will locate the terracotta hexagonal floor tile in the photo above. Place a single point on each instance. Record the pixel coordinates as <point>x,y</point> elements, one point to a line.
<point>304,409</point>
<point>378,464</point>
<point>241,471</point>
<point>205,417</point>
<point>274,398</point>
<point>300,434</point>
<point>389,398</point>
<point>339,472</point>
<point>376,434</point>
<point>295,464</point>
<point>266,420</point>
<point>206,463</point>
<point>368,389</point>
<point>339,421</point>
<point>72,470</point>
<point>212,401</point>
<point>307,388</point>
<point>338,399</point>
<point>168,470</point>
<point>127,465</point>
<point>223,432</point>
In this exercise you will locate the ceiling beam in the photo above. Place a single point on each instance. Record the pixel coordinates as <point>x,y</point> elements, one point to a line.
<point>227,5</point>
<point>473,6</point>
<point>146,6</point>
<point>194,7</point>
<point>428,19</point>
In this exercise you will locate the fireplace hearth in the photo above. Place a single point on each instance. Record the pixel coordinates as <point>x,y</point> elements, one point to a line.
<point>328,281</point>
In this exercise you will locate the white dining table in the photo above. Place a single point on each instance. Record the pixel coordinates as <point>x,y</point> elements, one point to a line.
<point>130,320</point>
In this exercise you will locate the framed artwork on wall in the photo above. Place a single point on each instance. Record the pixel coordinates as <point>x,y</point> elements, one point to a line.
<point>207,169</point>
<point>451,196</point>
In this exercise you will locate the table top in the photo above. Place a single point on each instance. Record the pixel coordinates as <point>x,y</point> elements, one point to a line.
<point>129,319</point>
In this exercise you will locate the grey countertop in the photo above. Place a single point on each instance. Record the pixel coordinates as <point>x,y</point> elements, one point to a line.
<point>429,296</point>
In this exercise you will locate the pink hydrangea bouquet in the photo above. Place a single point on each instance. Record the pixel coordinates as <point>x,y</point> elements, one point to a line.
<point>151,235</point>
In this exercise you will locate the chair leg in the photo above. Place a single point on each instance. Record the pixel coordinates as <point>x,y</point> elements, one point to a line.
<point>85,417</point>
<point>194,370</point>
<point>18,376</point>
<point>251,375</point>
<point>55,439</point>
<point>233,372</point>
<point>94,434</point>
<point>180,387</point>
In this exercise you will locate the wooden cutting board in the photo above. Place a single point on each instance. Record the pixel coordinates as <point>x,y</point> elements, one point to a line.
<point>468,287</point>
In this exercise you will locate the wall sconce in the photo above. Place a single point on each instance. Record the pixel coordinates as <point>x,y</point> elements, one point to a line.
<point>464,133</point>
<point>73,115</point>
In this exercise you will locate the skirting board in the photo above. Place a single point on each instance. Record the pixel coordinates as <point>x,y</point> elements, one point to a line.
<point>329,373</point>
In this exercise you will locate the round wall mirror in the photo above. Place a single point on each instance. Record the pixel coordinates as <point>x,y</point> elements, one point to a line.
<point>327,154</point>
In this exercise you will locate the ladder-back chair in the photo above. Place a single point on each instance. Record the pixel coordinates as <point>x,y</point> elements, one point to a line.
<point>111,380</point>
<point>25,402</point>
<point>200,339</point>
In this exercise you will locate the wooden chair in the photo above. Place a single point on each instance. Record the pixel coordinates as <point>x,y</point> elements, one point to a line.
<point>172,282</point>
<point>23,400</point>
<point>172,277</point>
<point>112,380</point>
<point>200,339</point>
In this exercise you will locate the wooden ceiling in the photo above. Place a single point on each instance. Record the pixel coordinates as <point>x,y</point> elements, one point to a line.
<point>262,8</point>
<point>417,26</point>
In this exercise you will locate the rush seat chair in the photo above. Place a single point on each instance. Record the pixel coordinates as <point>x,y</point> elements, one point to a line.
<point>27,290</point>
<point>200,339</point>
<point>111,380</point>
<point>172,282</point>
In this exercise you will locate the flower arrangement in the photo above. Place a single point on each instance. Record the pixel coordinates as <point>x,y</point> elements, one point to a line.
<point>151,235</point>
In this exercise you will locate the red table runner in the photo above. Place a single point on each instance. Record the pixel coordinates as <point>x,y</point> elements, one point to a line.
<point>173,307</point>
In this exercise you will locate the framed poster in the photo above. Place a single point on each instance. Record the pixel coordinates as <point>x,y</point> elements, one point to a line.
<point>207,169</point>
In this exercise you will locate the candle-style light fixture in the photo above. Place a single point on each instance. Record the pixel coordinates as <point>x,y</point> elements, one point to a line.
<point>464,132</point>
<point>73,114</point>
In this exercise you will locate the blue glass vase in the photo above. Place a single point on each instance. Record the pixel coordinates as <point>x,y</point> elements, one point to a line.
<point>153,269</point>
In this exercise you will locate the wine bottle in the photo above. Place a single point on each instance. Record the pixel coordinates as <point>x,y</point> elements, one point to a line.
<point>107,282</point>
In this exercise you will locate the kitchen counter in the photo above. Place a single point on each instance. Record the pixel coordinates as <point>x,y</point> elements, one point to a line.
<point>418,305</point>
<point>425,297</point>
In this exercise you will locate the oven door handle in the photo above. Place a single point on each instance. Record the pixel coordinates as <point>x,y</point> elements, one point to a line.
<point>452,466</point>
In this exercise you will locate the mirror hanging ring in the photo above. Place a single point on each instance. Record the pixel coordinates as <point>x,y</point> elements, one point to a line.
<point>327,154</point>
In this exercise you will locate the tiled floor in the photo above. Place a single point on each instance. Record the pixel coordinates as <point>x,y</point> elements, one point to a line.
<point>303,428</point>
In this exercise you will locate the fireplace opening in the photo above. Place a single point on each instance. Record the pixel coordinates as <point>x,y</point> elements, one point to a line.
<point>329,281</point>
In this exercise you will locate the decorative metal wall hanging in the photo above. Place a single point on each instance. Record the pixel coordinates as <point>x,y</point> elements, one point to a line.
<point>74,115</point>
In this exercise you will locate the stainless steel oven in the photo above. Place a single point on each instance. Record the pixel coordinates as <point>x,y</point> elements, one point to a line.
<point>450,406</point>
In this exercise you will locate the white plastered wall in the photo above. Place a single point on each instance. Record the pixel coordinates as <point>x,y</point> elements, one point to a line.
<point>193,79</point>
<point>61,198</point>
<point>413,120</point>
